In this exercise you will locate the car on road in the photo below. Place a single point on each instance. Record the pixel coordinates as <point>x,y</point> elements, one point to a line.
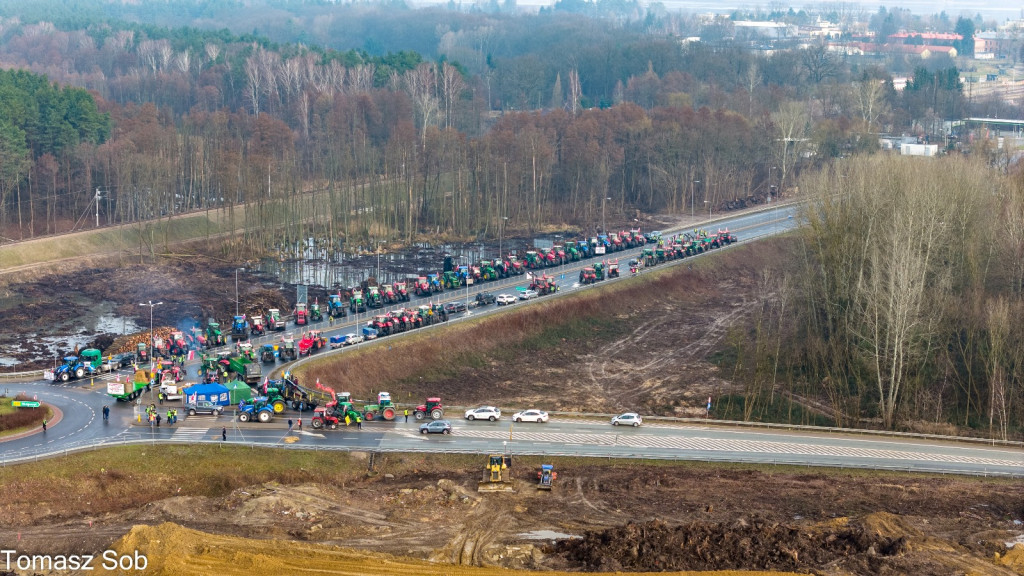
<point>505,299</point>
<point>353,338</point>
<point>124,359</point>
<point>484,413</point>
<point>627,419</point>
<point>203,407</point>
<point>436,427</point>
<point>528,294</point>
<point>454,307</point>
<point>531,415</point>
<point>485,298</point>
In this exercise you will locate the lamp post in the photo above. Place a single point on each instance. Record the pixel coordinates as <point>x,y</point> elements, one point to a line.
<point>151,305</point>
<point>692,182</point>
<point>379,242</point>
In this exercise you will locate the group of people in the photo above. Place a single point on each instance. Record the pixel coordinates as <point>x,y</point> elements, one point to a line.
<point>153,415</point>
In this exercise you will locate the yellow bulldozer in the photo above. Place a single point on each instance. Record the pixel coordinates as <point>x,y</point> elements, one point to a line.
<point>497,474</point>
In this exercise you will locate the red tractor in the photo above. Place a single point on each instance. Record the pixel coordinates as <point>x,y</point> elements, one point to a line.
<point>588,275</point>
<point>311,342</point>
<point>258,326</point>
<point>724,237</point>
<point>301,314</point>
<point>401,292</point>
<point>421,286</point>
<point>613,268</point>
<point>177,343</point>
<point>399,321</point>
<point>383,324</point>
<point>388,294</point>
<point>516,265</point>
<point>432,408</point>
<point>544,285</point>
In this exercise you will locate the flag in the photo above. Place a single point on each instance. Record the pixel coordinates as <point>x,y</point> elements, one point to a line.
<point>191,354</point>
<point>266,382</point>
<point>317,382</point>
<point>193,398</point>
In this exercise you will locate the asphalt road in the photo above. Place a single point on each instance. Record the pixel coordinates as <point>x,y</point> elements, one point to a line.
<point>82,425</point>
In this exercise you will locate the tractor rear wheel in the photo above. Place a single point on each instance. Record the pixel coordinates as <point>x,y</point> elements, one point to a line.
<point>266,416</point>
<point>436,413</point>
<point>279,407</point>
<point>243,417</point>
<point>388,413</point>
<point>318,423</point>
<point>420,415</point>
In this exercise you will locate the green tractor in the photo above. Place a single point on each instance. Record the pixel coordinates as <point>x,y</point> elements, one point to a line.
<point>450,279</point>
<point>487,270</point>
<point>598,271</point>
<point>649,258</point>
<point>534,260</point>
<point>374,299</point>
<point>384,409</point>
<point>356,303</point>
<point>572,251</point>
<point>214,337</point>
<point>315,314</point>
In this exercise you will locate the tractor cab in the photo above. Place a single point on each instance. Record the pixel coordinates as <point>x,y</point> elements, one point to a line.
<point>588,275</point>
<point>259,327</point>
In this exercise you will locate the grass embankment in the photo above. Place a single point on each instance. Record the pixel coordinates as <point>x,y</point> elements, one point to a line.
<point>16,420</point>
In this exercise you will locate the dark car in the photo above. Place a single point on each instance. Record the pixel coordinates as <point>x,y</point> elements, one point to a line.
<point>453,307</point>
<point>485,298</point>
<point>204,407</point>
<point>124,359</point>
<point>436,427</point>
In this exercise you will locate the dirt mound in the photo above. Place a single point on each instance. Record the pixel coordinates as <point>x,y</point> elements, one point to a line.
<point>744,544</point>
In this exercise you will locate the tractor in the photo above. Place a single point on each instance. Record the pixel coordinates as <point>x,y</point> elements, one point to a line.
<point>373,297</point>
<point>599,271</point>
<point>588,275</point>
<point>584,248</point>
<point>546,476</point>
<point>244,350</point>
<point>315,314</point>
<point>551,257</point>
<point>382,324</point>
<point>71,368</point>
<point>724,237</point>
<point>301,314</point>
<point>387,293</point>
<point>432,408</point>
<point>401,321</point>
<point>384,409</point>
<point>649,258</point>
<point>435,282</point>
<point>239,329</point>
<point>451,279</point>
<point>544,285</point>
<point>336,305</point>
<point>258,409</point>
<point>401,292</point>
<point>274,320</point>
<point>214,337</point>
<point>176,343</point>
<point>572,252</point>
<point>287,350</point>
<point>503,268</point>
<point>615,242</point>
<point>638,238</point>
<point>613,268</point>
<point>421,286</point>
<point>311,342</point>
<point>339,407</point>
<point>534,260</point>
<point>357,303</point>
<point>267,354</point>
<point>258,326</point>
<point>517,266</point>
<point>497,474</point>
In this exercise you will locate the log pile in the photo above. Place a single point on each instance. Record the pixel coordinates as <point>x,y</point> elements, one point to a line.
<point>130,342</point>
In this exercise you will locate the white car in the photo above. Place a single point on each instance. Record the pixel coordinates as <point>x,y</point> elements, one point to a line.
<point>532,415</point>
<point>627,419</point>
<point>483,413</point>
<point>353,338</point>
<point>528,294</point>
<point>506,299</point>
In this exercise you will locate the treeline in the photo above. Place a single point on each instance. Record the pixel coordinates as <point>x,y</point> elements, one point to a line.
<point>902,308</point>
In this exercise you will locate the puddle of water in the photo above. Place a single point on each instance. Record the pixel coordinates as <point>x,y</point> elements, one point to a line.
<point>8,361</point>
<point>108,322</point>
<point>546,535</point>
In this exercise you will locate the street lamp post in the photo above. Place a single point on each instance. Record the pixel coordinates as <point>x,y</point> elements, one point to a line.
<point>151,305</point>
<point>692,182</point>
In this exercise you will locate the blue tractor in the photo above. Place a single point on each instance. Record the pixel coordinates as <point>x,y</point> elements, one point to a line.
<point>71,368</point>
<point>336,305</point>
<point>435,282</point>
<point>240,328</point>
<point>258,409</point>
<point>584,247</point>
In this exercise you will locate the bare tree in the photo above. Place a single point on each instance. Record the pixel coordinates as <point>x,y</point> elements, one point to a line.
<point>254,74</point>
<point>452,85</point>
<point>421,85</point>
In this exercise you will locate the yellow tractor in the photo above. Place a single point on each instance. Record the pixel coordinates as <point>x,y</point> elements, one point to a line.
<point>497,476</point>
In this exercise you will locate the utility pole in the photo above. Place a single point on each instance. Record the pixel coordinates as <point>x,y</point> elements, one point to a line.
<point>97,207</point>
<point>151,305</point>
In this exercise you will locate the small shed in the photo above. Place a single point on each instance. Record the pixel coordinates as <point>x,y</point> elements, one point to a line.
<point>216,393</point>
<point>238,391</point>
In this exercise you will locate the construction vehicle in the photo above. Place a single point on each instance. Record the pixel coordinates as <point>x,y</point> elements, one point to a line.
<point>497,474</point>
<point>356,303</point>
<point>214,337</point>
<point>421,286</point>
<point>132,387</point>
<point>267,355</point>
<point>384,409</point>
<point>588,275</point>
<point>71,368</point>
<point>274,320</point>
<point>336,306</point>
<point>301,314</point>
<point>401,291</point>
<point>311,342</point>
<point>373,297</point>
<point>287,350</point>
<point>259,409</point>
<point>546,476</point>
<point>432,407</point>
<point>613,268</point>
<point>544,285</point>
<point>239,328</point>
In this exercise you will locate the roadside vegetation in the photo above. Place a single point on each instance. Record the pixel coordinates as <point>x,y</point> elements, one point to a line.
<point>16,419</point>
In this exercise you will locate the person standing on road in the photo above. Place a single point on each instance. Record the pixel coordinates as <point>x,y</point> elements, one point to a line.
<point>44,424</point>
<point>406,414</point>
<point>224,434</point>
<point>106,412</point>
<point>359,423</point>
<point>290,424</point>
<point>300,424</point>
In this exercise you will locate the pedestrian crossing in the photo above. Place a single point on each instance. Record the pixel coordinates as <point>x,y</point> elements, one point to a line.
<point>735,445</point>
<point>192,433</point>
